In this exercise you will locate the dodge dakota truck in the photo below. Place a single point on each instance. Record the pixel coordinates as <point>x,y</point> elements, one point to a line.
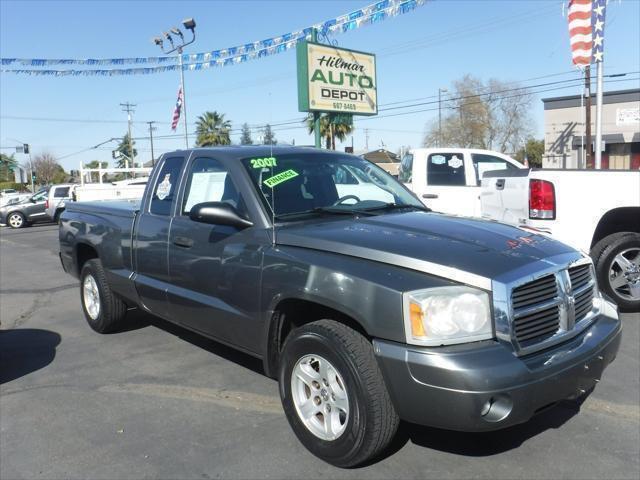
<point>366,306</point>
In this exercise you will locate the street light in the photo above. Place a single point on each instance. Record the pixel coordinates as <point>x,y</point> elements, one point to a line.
<point>440,92</point>
<point>189,24</point>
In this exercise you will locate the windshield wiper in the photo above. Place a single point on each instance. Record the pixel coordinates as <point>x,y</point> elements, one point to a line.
<point>397,206</point>
<point>327,210</point>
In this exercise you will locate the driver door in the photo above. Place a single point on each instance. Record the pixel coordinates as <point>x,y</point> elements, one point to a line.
<point>35,211</point>
<point>214,269</point>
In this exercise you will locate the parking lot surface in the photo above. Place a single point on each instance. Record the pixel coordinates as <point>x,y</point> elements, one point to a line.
<point>156,401</point>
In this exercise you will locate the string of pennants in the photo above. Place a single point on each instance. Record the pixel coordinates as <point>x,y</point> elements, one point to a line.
<point>368,15</point>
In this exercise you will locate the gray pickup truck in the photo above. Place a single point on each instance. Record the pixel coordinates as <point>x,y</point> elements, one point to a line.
<point>366,306</point>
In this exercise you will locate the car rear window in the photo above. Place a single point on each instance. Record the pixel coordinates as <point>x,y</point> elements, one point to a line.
<point>61,192</point>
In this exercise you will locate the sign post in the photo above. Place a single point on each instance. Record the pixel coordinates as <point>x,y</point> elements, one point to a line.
<point>335,80</point>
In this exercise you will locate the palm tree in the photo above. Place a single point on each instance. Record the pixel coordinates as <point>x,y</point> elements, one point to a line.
<point>330,130</point>
<point>212,129</point>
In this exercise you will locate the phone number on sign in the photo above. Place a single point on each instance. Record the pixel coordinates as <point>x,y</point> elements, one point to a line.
<point>344,106</point>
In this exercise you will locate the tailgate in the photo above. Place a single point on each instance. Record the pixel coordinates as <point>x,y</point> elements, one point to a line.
<point>504,196</point>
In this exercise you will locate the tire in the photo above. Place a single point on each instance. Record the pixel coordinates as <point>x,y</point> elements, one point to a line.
<point>617,262</point>
<point>16,220</point>
<point>94,290</point>
<point>365,420</point>
<point>56,216</point>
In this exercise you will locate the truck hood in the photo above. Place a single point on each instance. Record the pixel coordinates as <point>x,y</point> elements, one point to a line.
<point>468,250</point>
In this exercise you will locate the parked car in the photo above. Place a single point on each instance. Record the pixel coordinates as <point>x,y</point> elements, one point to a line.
<point>25,212</point>
<point>7,191</point>
<point>366,306</point>
<point>58,196</point>
<point>448,179</point>
<point>12,198</point>
<point>596,211</point>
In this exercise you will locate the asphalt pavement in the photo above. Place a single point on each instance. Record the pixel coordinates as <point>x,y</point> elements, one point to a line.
<point>156,401</point>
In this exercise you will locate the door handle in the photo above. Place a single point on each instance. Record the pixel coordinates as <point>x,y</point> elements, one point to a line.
<point>184,242</point>
<point>500,184</point>
<point>429,195</point>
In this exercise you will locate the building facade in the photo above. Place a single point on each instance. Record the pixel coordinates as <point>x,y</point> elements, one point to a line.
<point>565,132</point>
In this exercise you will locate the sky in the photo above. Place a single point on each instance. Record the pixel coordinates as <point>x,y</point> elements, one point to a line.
<point>510,40</point>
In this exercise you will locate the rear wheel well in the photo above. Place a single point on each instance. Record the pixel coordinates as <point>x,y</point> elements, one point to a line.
<point>624,219</point>
<point>293,313</point>
<point>84,253</point>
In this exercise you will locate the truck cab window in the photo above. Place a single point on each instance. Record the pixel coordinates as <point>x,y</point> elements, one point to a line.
<point>209,181</point>
<point>484,163</point>
<point>61,192</point>
<point>406,168</point>
<point>446,169</point>
<point>165,187</point>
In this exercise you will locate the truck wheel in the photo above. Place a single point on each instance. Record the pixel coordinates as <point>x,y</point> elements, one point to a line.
<point>102,309</point>
<point>617,261</point>
<point>16,220</point>
<point>333,394</point>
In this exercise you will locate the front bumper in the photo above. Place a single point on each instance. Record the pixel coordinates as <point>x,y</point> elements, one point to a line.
<point>485,386</point>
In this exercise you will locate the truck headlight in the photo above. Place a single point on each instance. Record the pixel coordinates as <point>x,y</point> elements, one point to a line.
<point>447,315</point>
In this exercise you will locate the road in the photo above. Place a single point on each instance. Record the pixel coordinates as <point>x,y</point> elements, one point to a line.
<point>157,401</point>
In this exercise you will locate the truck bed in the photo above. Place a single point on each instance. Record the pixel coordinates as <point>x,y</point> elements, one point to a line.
<point>103,225</point>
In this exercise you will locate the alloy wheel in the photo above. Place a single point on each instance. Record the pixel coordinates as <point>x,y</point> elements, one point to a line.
<point>320,397</point>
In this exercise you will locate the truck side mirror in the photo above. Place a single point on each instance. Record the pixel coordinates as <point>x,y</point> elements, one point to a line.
<point>218,213</point>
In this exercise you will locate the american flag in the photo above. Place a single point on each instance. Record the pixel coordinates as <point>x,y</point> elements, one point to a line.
<point>176,111</point>
<point>586,30</point>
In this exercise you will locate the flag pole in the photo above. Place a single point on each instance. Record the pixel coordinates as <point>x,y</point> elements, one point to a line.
<point>598,152</point>
<point>587,93</point>
<point>184,98</point>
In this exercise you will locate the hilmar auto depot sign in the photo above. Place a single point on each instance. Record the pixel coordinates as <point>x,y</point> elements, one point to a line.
<point>332,79</point>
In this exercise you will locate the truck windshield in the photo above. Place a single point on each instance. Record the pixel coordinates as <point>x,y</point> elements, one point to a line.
<point>315,183</point>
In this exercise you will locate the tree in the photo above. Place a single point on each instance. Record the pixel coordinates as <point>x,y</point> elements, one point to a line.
<point>534,151</point>
<point>330,130</point>
<point>212,129</point>
<point>96,164</point>
<point>124,151</point>
<point>492,115</point>
<point>47,170</point>
<point>268,137</point>
<point>7,166</point>
<point>245,137</point>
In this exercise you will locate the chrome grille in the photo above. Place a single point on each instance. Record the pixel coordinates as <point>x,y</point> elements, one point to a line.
<point>582,288</point>
<point>536,315</point>
<point>545,310</point>
<point>580,276</point>
<point>584,303</point>
<point>538,291</point>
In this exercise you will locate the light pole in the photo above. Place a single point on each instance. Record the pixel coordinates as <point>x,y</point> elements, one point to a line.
<point>26,149</point>
<point>189,24</point>
<point>440,92</point>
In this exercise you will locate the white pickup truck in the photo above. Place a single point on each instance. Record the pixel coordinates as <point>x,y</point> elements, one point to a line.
<point>448,179</point>
<point>595,211</point>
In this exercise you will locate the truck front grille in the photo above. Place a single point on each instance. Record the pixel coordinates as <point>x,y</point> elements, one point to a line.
<point>536,315</point>
<point>551,305</point>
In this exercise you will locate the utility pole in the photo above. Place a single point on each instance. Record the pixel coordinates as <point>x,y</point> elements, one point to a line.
<point>587,92</point>
<point>129,108</point>
<point>151,129</point>
<point>440,92</point>
<point>366,138</point>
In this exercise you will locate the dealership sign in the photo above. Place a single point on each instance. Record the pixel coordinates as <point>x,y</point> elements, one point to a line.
<point>332,79</point>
